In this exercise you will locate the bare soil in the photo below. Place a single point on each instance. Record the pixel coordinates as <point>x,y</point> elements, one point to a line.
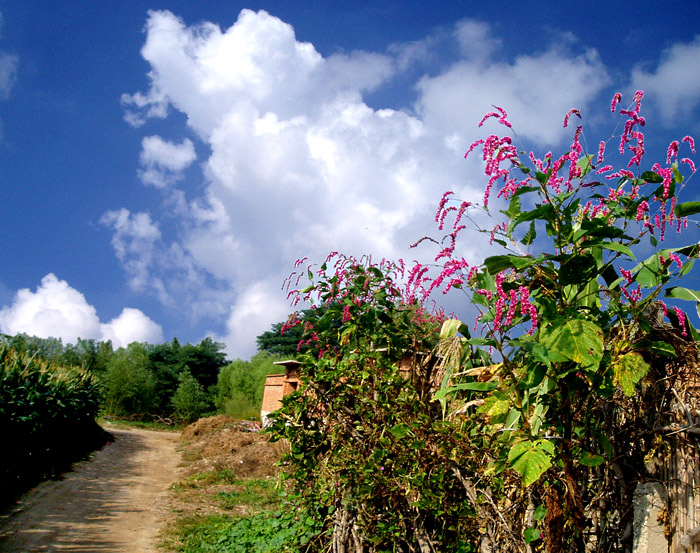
<point>115,502</point>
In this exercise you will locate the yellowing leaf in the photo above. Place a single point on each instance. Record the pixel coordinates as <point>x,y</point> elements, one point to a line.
<point>531,459</point>
<point>579,340</point>
<point>629,369</point>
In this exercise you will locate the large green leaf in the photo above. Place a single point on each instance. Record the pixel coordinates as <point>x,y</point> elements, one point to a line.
<point>579,340</point>
<point>652,177</point>
<point>589,459</point>
<point>531,459</point>
<point>687,208</point>
<point>584,164</point>
<point>498,263</point>
<point>578,269</point>
<point>683,294</point>
<point>451,327</point>
<point>618,248</point>
<point>468,386</point>
<point>530,235</point>
<point>629,370</point>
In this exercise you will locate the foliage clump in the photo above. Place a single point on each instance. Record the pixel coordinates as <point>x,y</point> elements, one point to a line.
<point>531,431</point>
<point>47,416</point>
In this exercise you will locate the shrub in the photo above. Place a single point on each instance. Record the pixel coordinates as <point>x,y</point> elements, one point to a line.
<point>190,400</point>
<point>47,416</point>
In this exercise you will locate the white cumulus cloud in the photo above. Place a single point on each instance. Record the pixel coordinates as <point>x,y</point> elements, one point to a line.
<point>301,165</point>
<point>57,310</point>
<point>162,161</point>
<point>674,85</point>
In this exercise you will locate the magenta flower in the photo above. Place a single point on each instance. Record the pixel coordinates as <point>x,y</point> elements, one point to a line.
<point>690,141</point>
<point>681,321</point>
<point>672,151</point>
<point>616,100</point>
<point>572,111</point>
<point>689,162</point>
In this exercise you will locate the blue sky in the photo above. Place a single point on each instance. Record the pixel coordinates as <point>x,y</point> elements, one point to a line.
<point>163,163</point>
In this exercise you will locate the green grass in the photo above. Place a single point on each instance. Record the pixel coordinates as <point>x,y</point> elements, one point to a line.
<point>273,525</point>
<point>146,425</point>
<point>258,492</point>
<point>280,531</point>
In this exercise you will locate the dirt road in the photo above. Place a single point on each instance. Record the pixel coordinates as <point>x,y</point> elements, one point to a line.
<point>113,503</point>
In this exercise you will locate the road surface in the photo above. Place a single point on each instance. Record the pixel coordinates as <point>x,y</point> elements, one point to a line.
<point>113,503</point>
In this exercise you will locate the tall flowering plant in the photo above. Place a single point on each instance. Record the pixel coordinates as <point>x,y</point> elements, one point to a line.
<point>568,309</point>
<point>368,453</point>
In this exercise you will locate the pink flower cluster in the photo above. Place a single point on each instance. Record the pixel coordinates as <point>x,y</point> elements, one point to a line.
<point>514,298</point>
<point>681,321</point>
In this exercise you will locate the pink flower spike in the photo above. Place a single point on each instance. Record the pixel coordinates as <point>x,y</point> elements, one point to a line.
<point>689,140</point>
<point>488,115</point>
<point>572,111</point>
<point>674,257</point>
<point>638,100</point>
<point>681,321</point>
<point>672,151</point>
<point>616,100</point>
<point>502,119</point>
<point>601,151</point>
<point>689,162</point>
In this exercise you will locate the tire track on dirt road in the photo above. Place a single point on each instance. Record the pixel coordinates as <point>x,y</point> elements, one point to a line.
<point>112,503</point>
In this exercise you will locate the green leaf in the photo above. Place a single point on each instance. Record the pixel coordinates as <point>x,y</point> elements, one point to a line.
<point>526,190</point>
<point>584,164</point>
<point>531,534</point>
<point>589,459</point>
<point>498,263</point>
<point>541,177</point>
<point>451,327</point>
<point>687,266</point>
<point>579,340</point>
<point>677,174</point>
<point>545,212</point>
<point>614,246</point>
<point>513,208</point>
<point>629,370</point>
<point>652,177</point>
<point>687,208</point>
<point>540,512</point>
<point>659,348</point>
<point>531,459</point>
<point>400,430</point>
<point>470,386</point>
<point>530,235</point>
<point>578,269</point>
<point>683,294</point>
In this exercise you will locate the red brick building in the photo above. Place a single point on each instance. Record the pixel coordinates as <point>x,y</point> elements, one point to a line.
<point>278,386</point>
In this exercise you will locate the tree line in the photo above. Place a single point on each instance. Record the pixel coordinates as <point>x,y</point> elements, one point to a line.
<point>169,380</point>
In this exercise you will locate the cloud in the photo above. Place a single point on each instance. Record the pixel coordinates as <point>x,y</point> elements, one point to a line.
<point>163,162</point>
<point>674,86</point>
<point>57,310</point>
<point>131,326</point>
<point>134,241</point>
<point>300,165</point>
<point>8,73</point>
<point>536,90</point>
<point>258,302</point>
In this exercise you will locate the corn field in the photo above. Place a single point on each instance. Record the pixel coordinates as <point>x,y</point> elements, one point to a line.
<point>46,410</point>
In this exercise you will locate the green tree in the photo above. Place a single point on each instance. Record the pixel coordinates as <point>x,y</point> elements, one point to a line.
<point>129,385</point>
<point>241,384</point>
<point>169,359</point>
<point>190,400</point>
<point>285,338</point>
